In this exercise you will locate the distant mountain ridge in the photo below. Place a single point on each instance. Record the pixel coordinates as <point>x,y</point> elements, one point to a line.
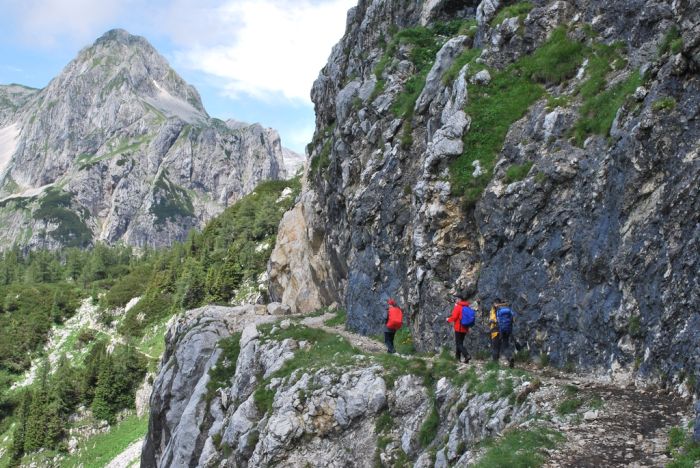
<point>118,147</point>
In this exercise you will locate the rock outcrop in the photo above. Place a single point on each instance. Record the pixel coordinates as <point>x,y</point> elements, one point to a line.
<point>591,234</point>
<point>314,415</point>
<point>234,391</point>
<point>119,148</point>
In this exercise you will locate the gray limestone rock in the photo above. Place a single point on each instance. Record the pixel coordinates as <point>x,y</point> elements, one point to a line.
<point>594,232</point>
<point>126,147</point>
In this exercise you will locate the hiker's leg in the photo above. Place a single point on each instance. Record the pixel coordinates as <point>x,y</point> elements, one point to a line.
<point>508,349</point>
<point>391,342</point>
<point>388,340</point>
<point>495,347</point>
<point>457,346</point>
<point>462,349</point>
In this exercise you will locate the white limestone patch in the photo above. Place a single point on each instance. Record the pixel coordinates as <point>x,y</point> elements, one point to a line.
<point>173,106</point>
<point>132,303</point>
<point>9,136</point>
<point>286,193</point>
<point>27,193</point>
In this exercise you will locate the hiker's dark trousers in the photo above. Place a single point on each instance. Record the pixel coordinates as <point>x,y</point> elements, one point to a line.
<point>501,344</point>
<point>459,346</point>
<point>389,340</point>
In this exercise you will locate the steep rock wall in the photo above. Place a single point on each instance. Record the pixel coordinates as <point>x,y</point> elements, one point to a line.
<point>593,237</point>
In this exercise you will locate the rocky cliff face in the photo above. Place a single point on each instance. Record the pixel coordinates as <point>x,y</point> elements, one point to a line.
<point>119,147</point>
<point>544,152</point>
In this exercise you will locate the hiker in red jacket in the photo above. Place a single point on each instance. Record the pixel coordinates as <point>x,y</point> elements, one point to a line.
<point>460,330</point>
<point>393,320</point>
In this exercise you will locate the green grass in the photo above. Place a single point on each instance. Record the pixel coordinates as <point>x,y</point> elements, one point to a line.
<point>327,350</point>
<point>493,109</point>
<point>403,341</point>
<point>664,104</point>
<point>384,423</point>
<point>519,10</point>
<point>220,375</point>
<point>557,101</point>
<point>496,106</point>
<point>672,42</point>
<point>681,448</point>
<point>341,317</point>
<point>519,448</point>
<point>555,61</point>
<point>85,161</point>
<point>598,112</point>
<point>517,172</point>
<point>322,160</point>
<point>152,343</point>
<point>602,59</point>
<point>466,57</point>
<point>429,427</point>
<point>99,450</point>
<point>570,405</point>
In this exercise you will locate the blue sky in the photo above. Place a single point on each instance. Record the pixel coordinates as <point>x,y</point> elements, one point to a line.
<point>252,60</point>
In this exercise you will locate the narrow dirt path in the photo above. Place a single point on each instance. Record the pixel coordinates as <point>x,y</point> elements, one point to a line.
<point>629,429</point>
<point>131,456</point>
<point>364,343</point>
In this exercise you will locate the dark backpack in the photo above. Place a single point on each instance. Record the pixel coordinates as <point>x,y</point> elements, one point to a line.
<point>504,316</point>
<point>468,317</point>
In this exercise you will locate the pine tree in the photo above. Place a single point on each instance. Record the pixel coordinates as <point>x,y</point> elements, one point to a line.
<point>21,428</point>
<point>91,372</point>
<point>102,402</point>
<point>35,430</point>
<point>192,288</point>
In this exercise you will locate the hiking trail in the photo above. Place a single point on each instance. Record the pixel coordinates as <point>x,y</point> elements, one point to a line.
<point>630,427</point>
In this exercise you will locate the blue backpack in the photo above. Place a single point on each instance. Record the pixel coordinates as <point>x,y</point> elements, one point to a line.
<point>505,320</point>
<point>468,316</point>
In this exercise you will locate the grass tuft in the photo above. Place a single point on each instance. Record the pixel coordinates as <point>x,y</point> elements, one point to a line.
<point>517,172</point>
<point>521,448</point>
<point>519,10</point>
<point>570,405</point>
<point>672,42</point>
<point>341,317</point>
<point>664,104</point>
<point>598,112</point>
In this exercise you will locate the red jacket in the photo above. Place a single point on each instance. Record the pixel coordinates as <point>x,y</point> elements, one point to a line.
<point>456,316</point>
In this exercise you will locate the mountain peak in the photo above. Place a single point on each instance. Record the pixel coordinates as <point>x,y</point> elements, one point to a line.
<point>119,35</point>
<point>120,64</point>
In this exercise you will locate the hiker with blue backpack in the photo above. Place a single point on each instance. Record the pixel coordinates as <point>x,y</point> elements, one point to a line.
<point>463,317</point>
<point>501,327</point>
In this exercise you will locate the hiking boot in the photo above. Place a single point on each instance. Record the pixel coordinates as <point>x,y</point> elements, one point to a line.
<point>511,363</point>
<point>467,359</point>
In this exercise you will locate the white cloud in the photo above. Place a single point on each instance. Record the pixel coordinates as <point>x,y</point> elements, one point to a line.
<point>48,23</point>
<point>275,49</point>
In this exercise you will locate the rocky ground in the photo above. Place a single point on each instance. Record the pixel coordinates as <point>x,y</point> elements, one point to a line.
<point>302,391</point>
